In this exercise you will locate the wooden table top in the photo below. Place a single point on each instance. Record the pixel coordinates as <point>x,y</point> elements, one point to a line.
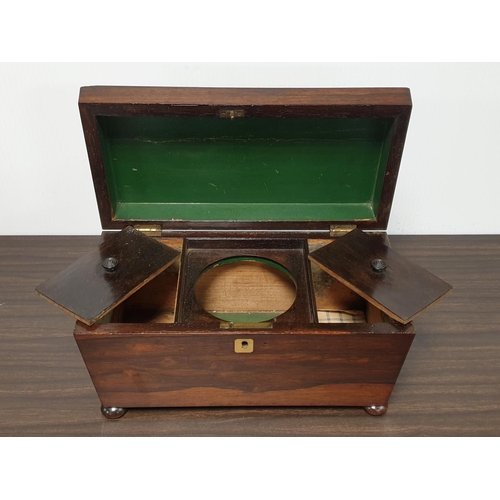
<point>449,384</point>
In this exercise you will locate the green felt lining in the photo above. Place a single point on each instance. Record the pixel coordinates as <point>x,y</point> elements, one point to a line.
<point>261,169</point>
<point>246,317</point>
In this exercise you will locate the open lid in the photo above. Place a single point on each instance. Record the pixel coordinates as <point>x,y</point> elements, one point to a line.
<point>380,275</point>
<point>254,160</point>
<point>100,280</point>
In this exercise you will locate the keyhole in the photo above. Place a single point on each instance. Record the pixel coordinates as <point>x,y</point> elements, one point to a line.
<point>243,345</point>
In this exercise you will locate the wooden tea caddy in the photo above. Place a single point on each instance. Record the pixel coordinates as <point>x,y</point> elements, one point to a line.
<point>190,180</point>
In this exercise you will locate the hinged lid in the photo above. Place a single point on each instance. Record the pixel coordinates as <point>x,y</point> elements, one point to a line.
<point>254,160</point>
<point>100,280</point>
<point>380,275</point>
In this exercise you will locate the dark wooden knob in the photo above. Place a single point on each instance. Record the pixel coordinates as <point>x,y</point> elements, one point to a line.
<point>110,264</point>
<point>378,265</point>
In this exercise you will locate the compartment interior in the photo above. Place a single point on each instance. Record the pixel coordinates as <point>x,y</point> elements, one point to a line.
<point>245,289</point>
<point>264,294</point>
<point>246,169</point>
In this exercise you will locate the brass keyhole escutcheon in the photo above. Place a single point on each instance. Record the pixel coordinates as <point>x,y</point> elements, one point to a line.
<point>243,345</point>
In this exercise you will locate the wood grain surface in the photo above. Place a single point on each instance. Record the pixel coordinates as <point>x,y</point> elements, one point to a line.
<point>181,367</point>
<point>449,384</point>
<point>87,291</point>
<point>403,290</point>
<point>165,96</point>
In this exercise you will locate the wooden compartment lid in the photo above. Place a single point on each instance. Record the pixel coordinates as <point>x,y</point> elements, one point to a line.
<point>380,275</point>
<point>100,280</point>
<point>253,160</point>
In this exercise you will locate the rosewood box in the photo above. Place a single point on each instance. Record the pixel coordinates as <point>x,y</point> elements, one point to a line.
<point>244,259</point>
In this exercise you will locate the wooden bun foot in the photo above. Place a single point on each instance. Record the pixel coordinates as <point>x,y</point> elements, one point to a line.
<point>375,410</point>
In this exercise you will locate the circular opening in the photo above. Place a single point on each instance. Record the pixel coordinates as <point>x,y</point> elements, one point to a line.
<point>245,289</point>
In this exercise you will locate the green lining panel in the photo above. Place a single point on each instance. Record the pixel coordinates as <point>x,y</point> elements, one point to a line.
<point>208,168</point>
<point>384,156</point>
<point>243,211</point>
<point>110,172</point>
<point>246,317</point>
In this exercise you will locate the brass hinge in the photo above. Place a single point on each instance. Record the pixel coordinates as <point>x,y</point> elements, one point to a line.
<point>232,113</point>
<point>341,230</point>
<point>149,229</point>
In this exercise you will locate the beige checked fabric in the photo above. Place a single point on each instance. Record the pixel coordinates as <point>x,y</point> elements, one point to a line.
<point>341,317</point>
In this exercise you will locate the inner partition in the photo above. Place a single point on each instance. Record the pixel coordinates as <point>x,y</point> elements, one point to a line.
<point>246,169</point>
<point>155,302</point>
